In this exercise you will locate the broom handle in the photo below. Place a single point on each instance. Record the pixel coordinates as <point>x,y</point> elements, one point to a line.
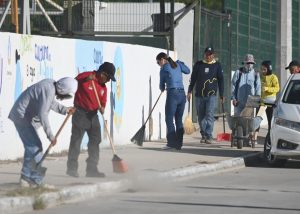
<point>223,116</point>
<point>105,125</point>
<point>189,108</point>
<point>57,133</point>
<point>153,108</point>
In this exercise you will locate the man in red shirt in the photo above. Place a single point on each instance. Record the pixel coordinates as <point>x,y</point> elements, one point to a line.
<point>85,119</point>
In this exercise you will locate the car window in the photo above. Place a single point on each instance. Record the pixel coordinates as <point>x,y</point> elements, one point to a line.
<point>292,94</point>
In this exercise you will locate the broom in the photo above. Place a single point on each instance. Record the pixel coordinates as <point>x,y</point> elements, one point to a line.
<point>188,124</point>
<point>38,165</point>
<point>138,138</point>
<point>223,136</point>
<point>119,166</point>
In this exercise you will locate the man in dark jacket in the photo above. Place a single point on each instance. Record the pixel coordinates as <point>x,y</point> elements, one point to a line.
<point>207,75</point>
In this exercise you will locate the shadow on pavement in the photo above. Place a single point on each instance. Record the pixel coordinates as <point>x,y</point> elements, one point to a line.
<point>217,152</point>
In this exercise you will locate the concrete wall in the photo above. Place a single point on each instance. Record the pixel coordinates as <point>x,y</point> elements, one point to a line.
<point>25,60</point>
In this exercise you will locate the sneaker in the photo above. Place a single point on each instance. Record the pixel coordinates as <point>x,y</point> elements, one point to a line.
<point>203,140</point>
<point>166,148</point>
<point>95,174</point>
<point>209,141</point>
<point>72,173</point>
<point>46,186</point>
<point>24,183</point>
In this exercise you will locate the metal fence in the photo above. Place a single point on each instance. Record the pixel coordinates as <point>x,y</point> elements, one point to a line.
<point>90,16</point>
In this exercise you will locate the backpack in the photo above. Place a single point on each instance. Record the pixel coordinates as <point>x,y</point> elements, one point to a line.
<point>237,83</point>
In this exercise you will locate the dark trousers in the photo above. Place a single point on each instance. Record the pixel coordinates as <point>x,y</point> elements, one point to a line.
<point>269,113</point>
<point>84,122</point>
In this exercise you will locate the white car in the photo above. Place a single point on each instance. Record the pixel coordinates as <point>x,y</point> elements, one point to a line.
<point>283,143</point>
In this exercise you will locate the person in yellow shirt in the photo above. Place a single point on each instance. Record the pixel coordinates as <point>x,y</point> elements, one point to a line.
<point>269,89</point>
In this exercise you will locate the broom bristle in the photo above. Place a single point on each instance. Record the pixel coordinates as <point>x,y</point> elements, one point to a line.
<point>138,138</point>
<point>119,166</point>
<point>188,125</point>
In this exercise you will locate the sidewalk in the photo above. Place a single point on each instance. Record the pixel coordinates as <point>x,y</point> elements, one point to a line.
<point>146,164</point>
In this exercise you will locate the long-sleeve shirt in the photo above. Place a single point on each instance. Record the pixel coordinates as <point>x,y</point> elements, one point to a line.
<point>172,77</point>
<point>246,83</point>
<point>85,97</point>
<point>34,104</point>
<point>207,77</point>
<point>270,87</point>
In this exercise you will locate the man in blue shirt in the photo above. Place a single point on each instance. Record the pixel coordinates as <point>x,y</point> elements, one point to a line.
<point>207,75</point>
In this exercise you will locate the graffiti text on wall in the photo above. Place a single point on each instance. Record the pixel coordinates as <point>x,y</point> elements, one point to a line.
<point>43,56</point>
<point>30,72</point>
<point>25,44</point>
<point>98,57</point>
<point>42,53</point>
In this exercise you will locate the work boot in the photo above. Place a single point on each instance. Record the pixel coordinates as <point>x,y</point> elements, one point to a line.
<point>72,173</point>
<point>95,174</point>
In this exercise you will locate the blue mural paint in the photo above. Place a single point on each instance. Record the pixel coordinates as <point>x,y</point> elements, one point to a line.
<point>88,57</point>
<point>18,81</point>
<point>118,89</point>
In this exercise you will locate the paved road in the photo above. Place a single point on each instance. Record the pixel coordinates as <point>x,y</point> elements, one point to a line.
<point>254,189</point>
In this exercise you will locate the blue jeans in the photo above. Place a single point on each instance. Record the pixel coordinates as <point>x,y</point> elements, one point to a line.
<point>205,110</point>
<point>174,109</point>
<point>33,152</point>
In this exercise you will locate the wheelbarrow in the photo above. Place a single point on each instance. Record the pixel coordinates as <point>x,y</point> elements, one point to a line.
<point>242,127</point>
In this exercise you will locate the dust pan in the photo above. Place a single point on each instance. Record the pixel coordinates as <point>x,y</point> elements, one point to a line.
<point>224,136</point>
<point>188,124</point>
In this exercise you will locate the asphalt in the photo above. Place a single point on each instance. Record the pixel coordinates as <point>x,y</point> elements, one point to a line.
<point>147,166</point>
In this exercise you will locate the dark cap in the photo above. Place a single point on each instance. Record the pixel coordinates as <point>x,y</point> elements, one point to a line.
<point>209,50</point>
<point>293,63</point>
<point>109,69</point>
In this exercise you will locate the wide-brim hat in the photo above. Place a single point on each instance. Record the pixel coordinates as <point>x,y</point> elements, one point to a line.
<point>249,58</point>
<point>109,69</point>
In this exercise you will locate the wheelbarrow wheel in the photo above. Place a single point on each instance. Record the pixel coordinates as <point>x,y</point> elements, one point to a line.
<point>239,137</point>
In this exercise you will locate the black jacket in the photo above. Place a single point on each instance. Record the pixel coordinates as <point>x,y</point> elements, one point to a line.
<point>207,77</point>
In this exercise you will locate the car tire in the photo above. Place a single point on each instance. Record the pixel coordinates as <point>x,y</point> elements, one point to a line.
<point>271,159</point>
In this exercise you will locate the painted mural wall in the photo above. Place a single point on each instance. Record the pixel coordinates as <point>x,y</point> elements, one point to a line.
<point>25,60</point>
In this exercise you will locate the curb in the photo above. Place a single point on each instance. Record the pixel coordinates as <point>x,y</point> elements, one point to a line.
<point>207,169</point>
<point>16,205</point>
<point>66,195</point>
